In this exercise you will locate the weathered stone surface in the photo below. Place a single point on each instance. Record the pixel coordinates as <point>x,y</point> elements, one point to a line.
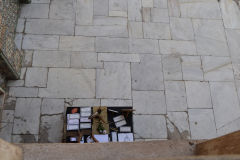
<point>116,102</point>
<point>23,73</point>
<point>143,46</point>
<point>15,83</point>
<point>40,1</point>
<point>135,29</point>
<point>85,61</point>
<point>100,7</point>
<point>52,106</point>
<point>6,131</point>
<point>109,21</point>
<point>27,138</point>
<point>233,38</point>
<point>134,10</point>
<point>7,116</point>
<point>181,28</point>
<point>118,8</point>
<point>63,9</point>
<point>229,128</point>
<point>149,102</point>
<point>10,103</point>
<point>146,14</point>
<point>84,12</point>
<point>51,129</point>
<point>200,9</point>
<point>198,94</point>
<point>217,68</point>
<point>210,37</point>
<point>28,56</point>
<point>34,11</point>
<point>40,42</point>
<point>177,47</point>
<point>49,26</point>
<point>106,31</point>
<point>148,74</point>
<point>23,92</point>
<point>225,102</point>
<point>77,43</point>
<point>69,83</point>
<point>202,123</point>
<point>159,15</point>
<point>150,126</point>
<point>27,116</point>
<point>86,102</point>
<point>172,67</point>
<point>192,68</point>
<point>160,3</point>
<point>174,8</point>
<point>18,40</point>
<point>118,57</point>
<point>114,81</point>
<point>177,124</point>
<point>230,13</point>
<point>176,97</point>
<point>20,25</point>
<point>112,45</point>
<point>156,30</point>
<point>147,3</point>
<point>51,59</point>
<point>36,77</point>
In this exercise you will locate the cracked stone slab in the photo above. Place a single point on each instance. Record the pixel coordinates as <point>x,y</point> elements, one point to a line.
<point>150,126</point>
<point>233,38</point>
<point>36,77</point>
<point>178,126</point>
<point>229,128</point>
<point>23,92</point>
<point>117,57</point>
<point>52,106</point>
<point>15,83</point>
<point>202,123</point>
<point>63,9</point>
<point>28,56</point>
<point>156,30</point>
<point>51,129</point>
<point>134,10</point>
<point>7,116</point>
<point>195,90</point>
<point>69,83</point>
<point>114,81</point>
<point>84,12</point>
<point>149,102</point>
<point>85,61</point>
<point>225,102</point>
<point>6,131</point>
<point>116,102</point>
<point>34,11</point>
<point>147,75</point>
<point>27,115</point>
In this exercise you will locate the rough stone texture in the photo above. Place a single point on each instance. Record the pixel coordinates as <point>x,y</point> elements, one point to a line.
<point>27,115</point>
<point>6,131</point>
<point>7,116</point>
<point>36,77</point>
<point>87,60</point>
<point>84,12</point>
<point>159,15</point>
<point>233,37</point>
<point>112,45</point>
<point>134,10</point>
<point>116,57</point>
<point>143,46</point>
<point>63,9</point>
<point>172,67</point>
<point>23,92</point>
<point>34,11</point>
<point>135,29</point>
<point>52,106</point>
<point>156,30</point>
<point>118,8</point>
<point>116,102</point>
<point>25,138</point>
<point>86,102</point>
<point>149,102</point>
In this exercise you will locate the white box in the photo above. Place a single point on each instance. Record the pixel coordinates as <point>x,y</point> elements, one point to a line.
<point>125,137</point>
<point>103,138</point>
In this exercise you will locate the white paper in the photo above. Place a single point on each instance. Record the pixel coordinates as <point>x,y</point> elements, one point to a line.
<point>85,109</point>
<point>85,119</point>
<point>118,118</point>
<point>114,136</point>
<point>102,138</point>
<point>121,123</point>
<point>125,137</point>
<point>85,125</point>
<point>73,121</point>
<point>72,127</point>
<point>73,116</point>
<point>125,129</point>
<point>73,139</point>
<point>85,114</point>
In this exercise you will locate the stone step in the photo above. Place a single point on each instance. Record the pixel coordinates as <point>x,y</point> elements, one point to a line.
<point>108,151</point>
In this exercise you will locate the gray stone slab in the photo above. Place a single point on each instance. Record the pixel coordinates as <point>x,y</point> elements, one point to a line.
<point>20,25</point>
<point>109,21</point>
<point>23,73</point>
<point>25,138</point>
<point>40,1</point>
<point>208,9</point>
<point>15,83</point>
<point>181,28</point>
<point>146,14</point>
<point>198,94</point>
<point>202,124</point>
<point>86,102</point>
<point>147,3</point>
<point>217,68</point>
<point>100,7</point>
<point>84,12</point>
<point>51,129</point>
<point>104,31</point>
<point>233,38</point>
<point>118,57</point>
<point>28,56</point>
<point>150,126</point>
<point>10,103</point>
<point>176,97</point>
<point>112,45</point>
<point>229,128</point>
<point>160,3</point>
<point>18,40</point>
<point>85,61</point>
<point>177,47</point>
<point>192,68</point>
<point>172,67</point>
<point>36,77</point>
<point>49,26</point>
<point>77,43</point>
<point>6,131</point>
<point>134,10</point>
<point>23,92</point>
<point>118,8</point>
<point>40,42</point>
<point>225,102</point>
<point>52,106</point>
<point>143,46</point>
<point>69,83</point>
<point>148,74</point>
<point>7,116</point>
<point>178,126</point>
<point>174,8</point>
<point>159,15</point>
<point>135,29</point>
<point>114,81</point>
<point>63,9</point>
<point>51,59</point>
<point>116,103</point>
<point>149,102</point>
<point>236,68</point>
<point>156,30</point>
<point>34,11</point>
<point>27,116</point>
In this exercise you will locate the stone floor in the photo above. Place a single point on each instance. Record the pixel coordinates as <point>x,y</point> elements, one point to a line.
<point>177,62</point>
